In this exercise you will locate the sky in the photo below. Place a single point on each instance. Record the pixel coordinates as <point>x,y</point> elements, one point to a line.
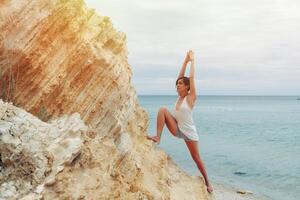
<point>241,47</point>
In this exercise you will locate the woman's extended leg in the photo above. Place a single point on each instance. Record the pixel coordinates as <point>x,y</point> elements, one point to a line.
<point>164,117</point>
<point>193,147</point>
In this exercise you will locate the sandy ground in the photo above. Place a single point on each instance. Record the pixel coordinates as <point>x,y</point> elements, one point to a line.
<point>222,192</point>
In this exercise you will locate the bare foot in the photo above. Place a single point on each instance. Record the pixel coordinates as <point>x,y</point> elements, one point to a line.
<point>209,188</point>
<point>155,139</point>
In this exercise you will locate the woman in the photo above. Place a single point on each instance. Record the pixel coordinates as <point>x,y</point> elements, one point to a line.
<point>181,125</point>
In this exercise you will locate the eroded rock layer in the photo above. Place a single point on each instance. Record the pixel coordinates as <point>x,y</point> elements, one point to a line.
<point>34,152</point>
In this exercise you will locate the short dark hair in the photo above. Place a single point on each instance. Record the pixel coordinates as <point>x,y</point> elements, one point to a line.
<point>185,80</point>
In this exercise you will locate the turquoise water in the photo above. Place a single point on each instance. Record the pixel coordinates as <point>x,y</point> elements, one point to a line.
<point>250,142</point>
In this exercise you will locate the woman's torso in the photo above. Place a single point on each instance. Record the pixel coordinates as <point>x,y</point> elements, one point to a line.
<point>185,120</point>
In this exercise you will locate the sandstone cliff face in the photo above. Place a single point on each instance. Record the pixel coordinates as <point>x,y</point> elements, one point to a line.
<point>58,58</point>
<point>34,152</point>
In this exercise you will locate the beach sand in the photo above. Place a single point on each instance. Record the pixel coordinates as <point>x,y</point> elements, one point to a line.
<point>222,192</point>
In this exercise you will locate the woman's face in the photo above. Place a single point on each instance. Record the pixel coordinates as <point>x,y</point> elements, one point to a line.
<point>181,86</point>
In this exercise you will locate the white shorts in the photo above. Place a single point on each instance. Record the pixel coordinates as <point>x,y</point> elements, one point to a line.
<point>180,134</point>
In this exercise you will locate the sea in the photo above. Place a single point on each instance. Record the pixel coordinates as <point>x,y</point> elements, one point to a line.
<point>248,142</point>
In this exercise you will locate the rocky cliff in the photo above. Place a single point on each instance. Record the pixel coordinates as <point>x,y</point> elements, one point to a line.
<point>78,131</point>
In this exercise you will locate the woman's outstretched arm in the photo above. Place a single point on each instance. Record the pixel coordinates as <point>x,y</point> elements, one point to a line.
<point>183,67</point>
<point>191,77</point>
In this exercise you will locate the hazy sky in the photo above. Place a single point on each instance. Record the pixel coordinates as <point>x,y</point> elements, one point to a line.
<point>241,47</point>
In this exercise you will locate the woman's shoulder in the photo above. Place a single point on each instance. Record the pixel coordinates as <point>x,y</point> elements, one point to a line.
<point>190,101</point>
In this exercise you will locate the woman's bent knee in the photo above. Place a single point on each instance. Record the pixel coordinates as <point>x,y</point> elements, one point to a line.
<point>163,109</point>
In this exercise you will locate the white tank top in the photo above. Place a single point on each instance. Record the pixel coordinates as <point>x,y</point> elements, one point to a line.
<point>185,120</point>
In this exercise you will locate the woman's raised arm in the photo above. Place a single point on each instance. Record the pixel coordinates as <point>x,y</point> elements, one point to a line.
<point>183,67</point>
<point>192,81</point>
